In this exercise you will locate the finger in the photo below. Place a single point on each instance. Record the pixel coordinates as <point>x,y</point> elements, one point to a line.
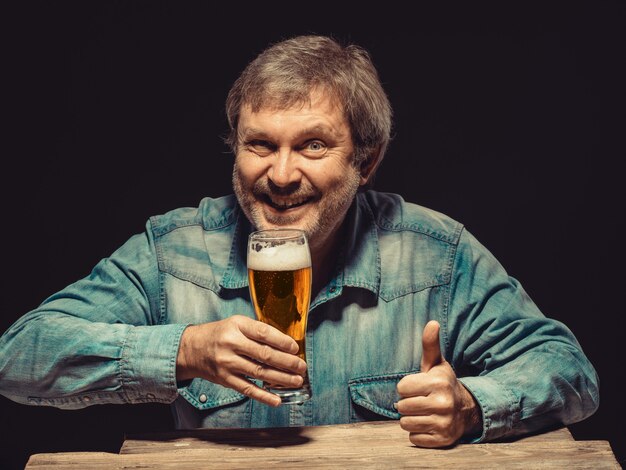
<point>417,406</point>
<point>267,355</point>
<point>265,373</point>
<point>419,424</point>
<point>431,351</point>
<point>430,441</point>
<point>426,431</point>
<point>249,389</point>
<point>267,334</point>
<point>414,385</point>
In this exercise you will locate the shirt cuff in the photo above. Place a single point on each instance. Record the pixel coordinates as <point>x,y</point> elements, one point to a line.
<point>499,407</point>
<point>148,364</point>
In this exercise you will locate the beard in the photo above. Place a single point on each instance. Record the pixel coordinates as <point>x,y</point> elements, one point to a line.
<point>323,217</point>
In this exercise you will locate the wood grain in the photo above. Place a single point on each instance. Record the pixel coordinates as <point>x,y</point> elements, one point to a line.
<point>364,446</point>
<point>375,433</point>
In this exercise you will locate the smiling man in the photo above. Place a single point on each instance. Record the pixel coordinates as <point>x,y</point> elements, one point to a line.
<point>294,168</point>
<point>412,318</point>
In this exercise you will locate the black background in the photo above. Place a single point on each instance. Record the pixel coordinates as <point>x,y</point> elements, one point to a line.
<point>509,120</point>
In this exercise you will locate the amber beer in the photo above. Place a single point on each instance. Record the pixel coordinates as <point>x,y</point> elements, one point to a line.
<point>279,274</point>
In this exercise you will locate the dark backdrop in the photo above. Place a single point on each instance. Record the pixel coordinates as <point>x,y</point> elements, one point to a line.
<point>511,121</point>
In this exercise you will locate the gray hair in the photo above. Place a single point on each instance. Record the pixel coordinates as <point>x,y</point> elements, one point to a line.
<point>285,74</point>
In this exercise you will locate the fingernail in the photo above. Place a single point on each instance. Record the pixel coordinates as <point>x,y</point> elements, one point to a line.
<point>395,406</point>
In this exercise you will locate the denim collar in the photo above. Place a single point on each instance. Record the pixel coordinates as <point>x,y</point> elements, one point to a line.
<point>358,263</point>
<point>236,274</point>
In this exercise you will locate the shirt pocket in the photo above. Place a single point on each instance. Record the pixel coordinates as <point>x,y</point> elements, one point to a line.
<point>217,406</point>
<point>373,397</point>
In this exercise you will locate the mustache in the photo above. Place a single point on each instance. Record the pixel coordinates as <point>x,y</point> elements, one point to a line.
<point>265,187</point>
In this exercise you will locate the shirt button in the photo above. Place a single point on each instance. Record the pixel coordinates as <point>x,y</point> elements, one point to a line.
<point>202,398</point>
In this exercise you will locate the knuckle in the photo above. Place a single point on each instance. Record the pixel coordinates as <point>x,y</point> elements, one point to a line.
<point>262,330</point>
<point>228,338</point>
<point>222,360</point>
<point>248,389</point>
<point>444,401</point>
<point>236,323</point>
<point>222,372</point>
<point>444,430</point>
<point>299,365</point>
<point>448,386</point>
<point>258,371</point>
<point>265,353</point>
<point>225,332</point>
<point>228,324</point>
<point>440,382</point>
<point>445,425</point>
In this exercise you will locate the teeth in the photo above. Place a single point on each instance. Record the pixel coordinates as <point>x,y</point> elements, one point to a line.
<point>287,204</point>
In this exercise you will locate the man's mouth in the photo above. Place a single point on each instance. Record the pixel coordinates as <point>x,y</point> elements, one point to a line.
<point>281,204</point>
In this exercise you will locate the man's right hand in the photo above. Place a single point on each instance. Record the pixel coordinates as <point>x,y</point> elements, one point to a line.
<point>227,351</point>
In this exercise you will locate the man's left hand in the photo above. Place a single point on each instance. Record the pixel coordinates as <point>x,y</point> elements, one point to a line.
<point>436,408</point>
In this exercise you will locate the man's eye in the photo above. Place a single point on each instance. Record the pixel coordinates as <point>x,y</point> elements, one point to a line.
<point>260,146</point>
<point>314,148</point>
<point>315,145</point>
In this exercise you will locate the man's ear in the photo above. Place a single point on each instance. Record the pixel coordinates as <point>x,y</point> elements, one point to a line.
<point>369,165</point>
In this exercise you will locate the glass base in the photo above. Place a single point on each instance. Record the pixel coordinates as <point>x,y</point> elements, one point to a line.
<point>291,396</point>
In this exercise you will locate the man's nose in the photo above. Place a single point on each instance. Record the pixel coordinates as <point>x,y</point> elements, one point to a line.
<point>284,169</point>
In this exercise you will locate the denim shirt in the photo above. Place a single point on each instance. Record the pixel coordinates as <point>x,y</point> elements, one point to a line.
<point>113,337</point>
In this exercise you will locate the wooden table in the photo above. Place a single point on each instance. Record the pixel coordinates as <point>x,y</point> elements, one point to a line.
<point>380,444</point>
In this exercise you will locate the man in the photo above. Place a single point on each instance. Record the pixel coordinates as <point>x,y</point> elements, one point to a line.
<point>411,319</point>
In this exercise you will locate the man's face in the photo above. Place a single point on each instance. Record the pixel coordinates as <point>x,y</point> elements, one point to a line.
<point>293,168</point>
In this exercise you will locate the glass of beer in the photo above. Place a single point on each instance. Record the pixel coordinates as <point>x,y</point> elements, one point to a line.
<point>279,275</point>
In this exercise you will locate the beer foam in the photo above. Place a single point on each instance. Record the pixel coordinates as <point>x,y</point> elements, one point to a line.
<point>283,258</point>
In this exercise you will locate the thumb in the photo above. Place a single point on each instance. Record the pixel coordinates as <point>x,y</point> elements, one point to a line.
<point>431,351</point>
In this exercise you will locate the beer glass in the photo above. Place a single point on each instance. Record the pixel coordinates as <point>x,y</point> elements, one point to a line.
<point>279,275</point>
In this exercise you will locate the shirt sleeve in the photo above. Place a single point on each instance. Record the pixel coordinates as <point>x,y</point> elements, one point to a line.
<point>526,371</point>
<point>100,340</point>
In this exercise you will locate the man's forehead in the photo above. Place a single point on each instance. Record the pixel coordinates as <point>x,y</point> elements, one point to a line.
<point>319,116</point>
<point>272,101</point>
<point>248,132</point>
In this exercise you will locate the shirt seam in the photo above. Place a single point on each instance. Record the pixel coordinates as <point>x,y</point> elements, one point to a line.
<point>450,269</point>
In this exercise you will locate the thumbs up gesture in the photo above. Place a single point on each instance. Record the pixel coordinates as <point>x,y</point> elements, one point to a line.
<point>437,410</point>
